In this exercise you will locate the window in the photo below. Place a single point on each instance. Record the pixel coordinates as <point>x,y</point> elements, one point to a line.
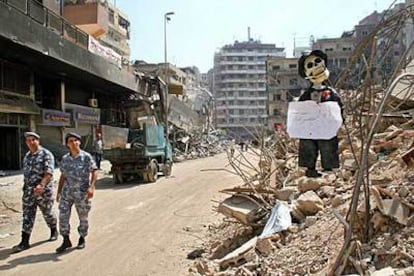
<point>123,23</point>
<point>277,97</point>
<point>276,112</point>
<point>293,81</point>
<point>292,66</point>
<point>276,67</point>
<point>111,16</point>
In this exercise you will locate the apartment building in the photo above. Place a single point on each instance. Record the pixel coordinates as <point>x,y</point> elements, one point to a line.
<point>109,26</point>
<point>283,85</point>
<point>389,51</point>
<point>338,50</point>
<point>240,86</point>
<point>52,82</point>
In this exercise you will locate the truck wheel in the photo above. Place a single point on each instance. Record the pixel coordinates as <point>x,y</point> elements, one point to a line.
<point>152,173</point>
<point>166,170</point>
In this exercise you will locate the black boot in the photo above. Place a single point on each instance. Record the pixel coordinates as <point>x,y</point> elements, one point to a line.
<point>81,243</point>
<point>312,173</point>
<point>65,245</point>
<point>23,245</point>
<point>53,234</point>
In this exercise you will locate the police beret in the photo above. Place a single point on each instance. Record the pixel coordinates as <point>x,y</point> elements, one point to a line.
<point>31,133</point>
<point>72,134</point>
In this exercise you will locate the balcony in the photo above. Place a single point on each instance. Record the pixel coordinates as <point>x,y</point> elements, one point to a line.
<point>91,18</point>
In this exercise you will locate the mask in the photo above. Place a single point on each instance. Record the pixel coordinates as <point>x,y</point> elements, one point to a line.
<point>315,69</point>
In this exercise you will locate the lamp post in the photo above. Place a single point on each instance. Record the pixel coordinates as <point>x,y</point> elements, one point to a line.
<point>166,19</point>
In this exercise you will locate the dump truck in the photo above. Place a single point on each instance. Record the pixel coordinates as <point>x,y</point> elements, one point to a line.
<point>146,153</point>
<point>142,150</point>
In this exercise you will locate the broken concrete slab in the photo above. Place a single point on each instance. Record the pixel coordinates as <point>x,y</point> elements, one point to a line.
<point>241,208</point>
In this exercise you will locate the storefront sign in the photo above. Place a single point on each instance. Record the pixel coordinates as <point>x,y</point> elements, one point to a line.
<point>87,115</point>
<point>55,117</point>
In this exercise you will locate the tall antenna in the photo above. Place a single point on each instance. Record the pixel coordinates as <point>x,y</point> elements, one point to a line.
<point>294,44</point>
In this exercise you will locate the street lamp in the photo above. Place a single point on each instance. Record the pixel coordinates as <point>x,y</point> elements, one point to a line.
<point>166,19</point>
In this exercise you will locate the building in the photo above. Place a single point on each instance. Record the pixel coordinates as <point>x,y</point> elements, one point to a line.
<point>240,86</point>
<point>338,50</point>
<point>283,85</point>
<point>104,22</point>
<point>52,82</point>
<point>389,51</point>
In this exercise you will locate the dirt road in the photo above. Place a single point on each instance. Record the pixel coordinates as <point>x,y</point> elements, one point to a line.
<point>145,229</point>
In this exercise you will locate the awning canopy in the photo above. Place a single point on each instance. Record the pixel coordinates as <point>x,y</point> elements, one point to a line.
<point>17,104</point>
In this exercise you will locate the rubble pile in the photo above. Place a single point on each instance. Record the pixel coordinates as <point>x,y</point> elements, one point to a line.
<point>356,220</point>
<point>197,145</point>
<point>307,238</point>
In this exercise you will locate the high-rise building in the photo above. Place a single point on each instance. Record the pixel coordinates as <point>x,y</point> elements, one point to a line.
<point>240,86</point>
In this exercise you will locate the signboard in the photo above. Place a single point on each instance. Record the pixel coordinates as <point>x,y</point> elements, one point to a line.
<point>86,115</point>
<point>97,48</point>
<point>52,117</point>
<point>311,120</point>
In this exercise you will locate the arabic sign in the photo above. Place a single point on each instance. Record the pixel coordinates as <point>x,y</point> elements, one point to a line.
<point>97,48</point>
<point>52,117</point>
<point>310,120</point>
<point>87,115</point>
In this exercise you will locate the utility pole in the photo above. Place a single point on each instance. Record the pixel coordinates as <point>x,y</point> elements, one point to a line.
<point>166,78</point>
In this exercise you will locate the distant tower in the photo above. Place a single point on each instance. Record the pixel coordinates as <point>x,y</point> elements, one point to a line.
<point>248,34</point>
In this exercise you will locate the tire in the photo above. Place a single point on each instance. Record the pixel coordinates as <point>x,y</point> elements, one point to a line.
<point>167,169</point>
<point>152,173</point>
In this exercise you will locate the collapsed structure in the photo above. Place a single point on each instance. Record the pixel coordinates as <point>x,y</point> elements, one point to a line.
<point>357,220</point>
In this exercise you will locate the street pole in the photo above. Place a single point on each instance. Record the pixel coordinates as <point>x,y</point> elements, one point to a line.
<point>166,19</point>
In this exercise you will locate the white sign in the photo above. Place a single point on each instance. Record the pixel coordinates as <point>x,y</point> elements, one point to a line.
<point>311,120</point>
<point>97,48</point>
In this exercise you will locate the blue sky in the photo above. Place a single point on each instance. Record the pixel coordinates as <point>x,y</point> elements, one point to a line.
<point>200,27</point>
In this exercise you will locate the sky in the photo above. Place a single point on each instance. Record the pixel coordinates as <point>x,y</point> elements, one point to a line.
<point>199,28</point>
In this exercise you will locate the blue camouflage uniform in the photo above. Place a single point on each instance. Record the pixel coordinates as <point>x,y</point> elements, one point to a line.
<point>35,165</point>
<point>77,171</point>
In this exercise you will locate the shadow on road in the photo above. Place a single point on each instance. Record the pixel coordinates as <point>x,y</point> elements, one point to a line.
<point>30,259</point>
<point>108,183</point>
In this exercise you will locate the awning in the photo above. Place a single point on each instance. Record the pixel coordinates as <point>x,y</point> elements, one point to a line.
<point>17,104</point>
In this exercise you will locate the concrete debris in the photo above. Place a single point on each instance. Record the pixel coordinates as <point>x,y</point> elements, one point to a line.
<point>241,208</point>
<point>312,242</point>
<point>356,220</point>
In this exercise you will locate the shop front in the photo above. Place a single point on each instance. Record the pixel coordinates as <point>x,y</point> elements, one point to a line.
<point>51,126</point>
<point>85,122</point>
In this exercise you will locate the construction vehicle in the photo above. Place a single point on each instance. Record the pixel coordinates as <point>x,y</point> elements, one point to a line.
<point>146,150</point>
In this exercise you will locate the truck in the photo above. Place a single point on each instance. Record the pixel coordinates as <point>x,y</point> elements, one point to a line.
<point>143,150</point>
<point>147,153</point>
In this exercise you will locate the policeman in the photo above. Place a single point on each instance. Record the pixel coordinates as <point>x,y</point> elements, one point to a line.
<point>76,186</point>
<point>38,166</point>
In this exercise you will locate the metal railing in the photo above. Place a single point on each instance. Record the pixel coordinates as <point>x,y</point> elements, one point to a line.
<point>42,15</point>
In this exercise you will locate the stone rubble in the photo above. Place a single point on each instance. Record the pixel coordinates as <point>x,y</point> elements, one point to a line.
<point>311,244</point>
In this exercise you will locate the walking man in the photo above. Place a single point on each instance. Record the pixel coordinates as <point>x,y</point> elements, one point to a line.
<point>76,186</point>
<point>38,166</point>
<point>98,148</point>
